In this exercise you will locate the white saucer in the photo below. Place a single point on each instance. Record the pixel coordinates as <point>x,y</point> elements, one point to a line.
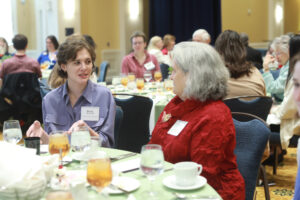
<point>127,183</point>
<point>170,183</point>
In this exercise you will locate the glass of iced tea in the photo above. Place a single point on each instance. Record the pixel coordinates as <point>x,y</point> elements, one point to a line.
<point>157,76</point>
<point>99,172</point>
<point>131,76</point>
<point>59,143</point>
<point>140,83</point>
<point>124,81</point>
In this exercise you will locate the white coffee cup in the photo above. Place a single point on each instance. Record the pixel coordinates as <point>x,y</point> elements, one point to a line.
<point>186,173</point>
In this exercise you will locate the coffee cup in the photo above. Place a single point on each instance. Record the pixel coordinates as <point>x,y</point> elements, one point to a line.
<point>34,143</point>
<point>186,173</point>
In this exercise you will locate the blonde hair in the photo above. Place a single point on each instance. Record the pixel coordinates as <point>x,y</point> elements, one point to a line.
<point>153,41</point>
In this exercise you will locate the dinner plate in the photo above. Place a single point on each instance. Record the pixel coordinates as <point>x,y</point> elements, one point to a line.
<point>127,183</point>
<point>170,183</point>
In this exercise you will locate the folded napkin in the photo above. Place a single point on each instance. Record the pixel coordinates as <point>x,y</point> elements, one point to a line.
<point>126,165</point>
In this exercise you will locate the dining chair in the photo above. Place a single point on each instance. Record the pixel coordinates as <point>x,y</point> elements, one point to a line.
<point>118,123</point>
<point>134,131</point>
<point>103,71</point>
<point>251,139</point>
<point>164,68</point>
<point>21,99</point>
<point>256,105</point>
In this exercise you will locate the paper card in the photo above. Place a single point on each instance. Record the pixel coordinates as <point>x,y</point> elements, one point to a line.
<point>149,66</point>
<point>177,127</point>
<point>126,165</point>
<point>90,113</point>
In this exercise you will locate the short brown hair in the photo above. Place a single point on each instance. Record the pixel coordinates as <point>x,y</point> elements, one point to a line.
<point>230,47</point>
<point>20,42</point>
<point>167,39</point>
<point>68,51</point>
<point>138,34</point>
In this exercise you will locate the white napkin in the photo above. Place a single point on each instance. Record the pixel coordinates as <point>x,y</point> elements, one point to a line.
<point>126,165</point>
<point>273,119</point>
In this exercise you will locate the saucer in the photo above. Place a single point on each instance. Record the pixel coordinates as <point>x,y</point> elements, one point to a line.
<point>127,183</point>
<point>170,183</point>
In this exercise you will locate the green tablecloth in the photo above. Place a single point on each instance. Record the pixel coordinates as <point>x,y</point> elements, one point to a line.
<point>164,192</point>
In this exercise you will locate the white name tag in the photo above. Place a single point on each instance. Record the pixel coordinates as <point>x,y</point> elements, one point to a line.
<point>177,127</point>
<point>90,113</point>
<point>149,66</point>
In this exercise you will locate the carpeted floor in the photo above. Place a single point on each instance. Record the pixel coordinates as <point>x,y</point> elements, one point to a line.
<point>284,180</point>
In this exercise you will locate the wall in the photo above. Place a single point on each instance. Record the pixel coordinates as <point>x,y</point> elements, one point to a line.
<point>26,21</point>
<point>249,16</point>
<point>100,19</point>
<point>292,16</point>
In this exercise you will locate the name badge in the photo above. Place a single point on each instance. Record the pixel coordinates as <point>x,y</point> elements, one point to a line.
<point>90,113</point>
<point>149,66</point>
<point>177,127</point>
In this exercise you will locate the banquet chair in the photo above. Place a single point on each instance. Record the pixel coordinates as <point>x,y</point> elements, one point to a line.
<point>134,131</point>
<point>103,71</point>
<point>256,105</point>
<point>118,122</point>
<point>20,99</point>
<point>164,68</point>
<point>251,139</point>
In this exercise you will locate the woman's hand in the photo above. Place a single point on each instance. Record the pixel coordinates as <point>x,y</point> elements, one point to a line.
<point>81,123</point>
<point>267,61</point>
<point>36,130</point>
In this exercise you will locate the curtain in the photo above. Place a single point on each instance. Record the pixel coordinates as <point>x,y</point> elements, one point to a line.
<point>182,17</point>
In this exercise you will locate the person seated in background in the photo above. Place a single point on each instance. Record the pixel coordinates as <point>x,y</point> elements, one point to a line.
<point>281,55</point>
<point>169,42</point>
<point>155,46</point>
<point>4,53</point>
<point>245,79</point>
<point>296,98</point>
<point>201,35</point>
<point>71,104</point>
<point>47,59</point>
<point>139,60</point>
<point>254,56</point>
<point>20,62</point>
<point>196,125</point>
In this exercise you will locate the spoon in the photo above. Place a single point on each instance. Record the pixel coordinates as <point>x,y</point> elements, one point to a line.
<point>195,197</point>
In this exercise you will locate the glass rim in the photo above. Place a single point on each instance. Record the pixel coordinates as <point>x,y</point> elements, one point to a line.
<point>57,132</point>
<point>152,146</point>
<point>12,120</point>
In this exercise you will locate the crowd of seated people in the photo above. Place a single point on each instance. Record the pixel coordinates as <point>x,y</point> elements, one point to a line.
<point>203,76</point>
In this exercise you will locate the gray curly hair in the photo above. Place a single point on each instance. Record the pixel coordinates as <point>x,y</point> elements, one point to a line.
<point>206,73</point>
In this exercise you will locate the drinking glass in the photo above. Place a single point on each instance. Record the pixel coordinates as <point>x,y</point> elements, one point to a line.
<point>147,76</point>
<point>116,80</point>
<point>140,83</point>
<point>152,164</point>
<point>131,76</point>
<point>59,143</point>
<point>12,131</point>
<point>124,81</point>
<point>157,76</point>
<point>168,84</point>
<point>99,172</point>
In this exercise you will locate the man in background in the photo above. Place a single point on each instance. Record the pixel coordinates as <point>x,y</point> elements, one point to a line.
<point>201,35</point>
<point>20,62</point>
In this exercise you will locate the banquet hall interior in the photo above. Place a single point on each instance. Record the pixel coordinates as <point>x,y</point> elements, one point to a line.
<point>111,23</point>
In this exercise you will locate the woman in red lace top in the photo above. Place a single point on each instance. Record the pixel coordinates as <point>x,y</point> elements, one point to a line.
<point>196,125</point>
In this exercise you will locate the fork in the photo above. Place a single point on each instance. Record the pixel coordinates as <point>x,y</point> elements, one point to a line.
<point>123,156</point>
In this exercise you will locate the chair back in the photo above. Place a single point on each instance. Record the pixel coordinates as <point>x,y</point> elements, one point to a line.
<point>118,123</point>
<point>251,139</point>
<point>134,131</point>
<point>258,105</point>
<point>103,71</point>
<point>164,68</point>
<point>21,98</point>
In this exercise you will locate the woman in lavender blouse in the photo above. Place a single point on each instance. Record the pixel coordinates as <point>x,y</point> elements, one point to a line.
<point>78,102</point>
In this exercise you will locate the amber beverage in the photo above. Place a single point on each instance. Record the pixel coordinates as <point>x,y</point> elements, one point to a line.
<point>131,77</point>
<point>140,83</point>
<point>59,141</point>
<point>99,173</point>
<point>124,81</point>
<point>157,76</point>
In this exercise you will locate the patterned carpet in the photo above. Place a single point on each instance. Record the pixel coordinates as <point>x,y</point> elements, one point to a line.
<point>284,180</point>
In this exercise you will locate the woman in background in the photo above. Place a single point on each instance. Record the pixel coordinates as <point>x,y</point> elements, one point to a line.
<point>245,79</point>
<point>4,54</point>
<point>169,42</point>
<point>47,59</point>
<point>196,125</point>
<point>155,46</point>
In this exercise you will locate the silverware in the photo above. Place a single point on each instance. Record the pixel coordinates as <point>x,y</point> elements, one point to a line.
<point>123,156</point>
<point>195,197</point>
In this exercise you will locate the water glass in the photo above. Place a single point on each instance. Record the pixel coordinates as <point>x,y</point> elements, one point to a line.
<point>152,164</point>
<point>80,139</point>
<point>12,132</point>
<point>147,76</point>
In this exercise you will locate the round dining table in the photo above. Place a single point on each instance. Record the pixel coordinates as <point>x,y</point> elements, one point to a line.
<point>130,167</point>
